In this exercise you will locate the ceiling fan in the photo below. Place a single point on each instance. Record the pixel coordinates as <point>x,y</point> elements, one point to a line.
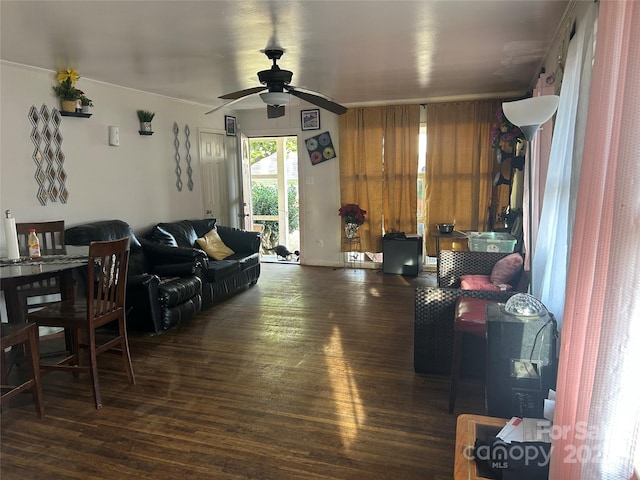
<point>276,82</point>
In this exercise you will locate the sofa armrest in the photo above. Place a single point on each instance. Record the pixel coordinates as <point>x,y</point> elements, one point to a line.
<point>165,254</point>
<point>239,240</point>
<point>433,325</point>
<point>144,279</point>
<point>142,300</point>
<point>177,269</point>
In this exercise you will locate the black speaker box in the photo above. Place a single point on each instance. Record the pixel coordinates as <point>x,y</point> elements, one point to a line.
<point>521,362</point>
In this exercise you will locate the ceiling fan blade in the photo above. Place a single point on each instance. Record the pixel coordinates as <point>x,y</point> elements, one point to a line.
<point>242,93</point>
<point>224,105</point>
<point>275,111</point>
<point>318,100</point>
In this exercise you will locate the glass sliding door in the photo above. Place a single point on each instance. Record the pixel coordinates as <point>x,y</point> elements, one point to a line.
<point>275,194</point>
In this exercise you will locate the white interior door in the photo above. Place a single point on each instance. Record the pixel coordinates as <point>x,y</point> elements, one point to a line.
<point>245,194</point>
<point>214,177</point>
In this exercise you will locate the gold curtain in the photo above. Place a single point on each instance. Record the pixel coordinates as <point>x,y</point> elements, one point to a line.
<point>378,168</point>
<point>460,165</point>
<point>401,130</point>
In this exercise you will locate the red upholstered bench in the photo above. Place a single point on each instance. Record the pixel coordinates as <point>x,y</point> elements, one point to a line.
<point>470,318</point>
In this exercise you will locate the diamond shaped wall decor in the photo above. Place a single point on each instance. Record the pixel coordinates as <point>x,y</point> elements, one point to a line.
<point>47,154</point>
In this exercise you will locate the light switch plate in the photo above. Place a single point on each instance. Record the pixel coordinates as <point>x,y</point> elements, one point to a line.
<point>114,136</point>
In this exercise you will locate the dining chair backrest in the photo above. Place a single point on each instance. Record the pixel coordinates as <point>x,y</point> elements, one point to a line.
<point>107,272</point>
<point>50,234</point>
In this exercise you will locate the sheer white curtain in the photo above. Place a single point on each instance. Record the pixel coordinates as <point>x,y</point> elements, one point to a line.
<point>598,388</point>
<point>540,151</point>
<point>549,269</point>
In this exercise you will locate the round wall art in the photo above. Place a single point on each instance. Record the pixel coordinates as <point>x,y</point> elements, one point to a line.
<point>320,148</point>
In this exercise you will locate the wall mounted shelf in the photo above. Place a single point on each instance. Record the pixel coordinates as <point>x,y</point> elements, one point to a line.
<point>142,132</point>
<point>75,114</point>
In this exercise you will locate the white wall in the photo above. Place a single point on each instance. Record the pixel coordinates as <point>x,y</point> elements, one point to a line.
<point>134,182</point>
<point>319,184</point>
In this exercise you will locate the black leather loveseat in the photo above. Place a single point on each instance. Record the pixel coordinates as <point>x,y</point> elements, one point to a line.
<point>163,285</point>
<point>220,278</point>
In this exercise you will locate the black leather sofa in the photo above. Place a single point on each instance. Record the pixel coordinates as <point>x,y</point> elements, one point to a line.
<point>220,278</point>
<point>163,285</point>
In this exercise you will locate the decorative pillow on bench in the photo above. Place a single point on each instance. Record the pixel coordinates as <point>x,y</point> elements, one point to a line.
<point>505,270</point>
<point>481,282</point>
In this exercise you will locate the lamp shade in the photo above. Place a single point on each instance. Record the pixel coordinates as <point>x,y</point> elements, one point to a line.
<point>275,98</point>
<point>531,112</point>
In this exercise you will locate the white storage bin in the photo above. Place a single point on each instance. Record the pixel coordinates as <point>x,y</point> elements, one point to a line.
<point>491,242</point>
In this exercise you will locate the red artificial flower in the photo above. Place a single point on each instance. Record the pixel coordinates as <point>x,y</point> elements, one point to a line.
<point>352,213</point>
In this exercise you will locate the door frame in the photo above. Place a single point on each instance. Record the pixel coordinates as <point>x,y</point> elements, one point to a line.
<point>207,213</point>
<point>283,208</point>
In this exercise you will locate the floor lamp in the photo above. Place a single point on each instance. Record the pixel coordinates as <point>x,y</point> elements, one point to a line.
<point>529,114</point>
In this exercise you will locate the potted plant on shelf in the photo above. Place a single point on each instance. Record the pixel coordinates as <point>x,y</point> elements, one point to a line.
<point>86,102</point>
<point>66,90</point>
<point>145,117</point>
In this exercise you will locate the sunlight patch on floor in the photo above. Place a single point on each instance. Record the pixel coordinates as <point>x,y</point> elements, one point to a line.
<point>348,404</point>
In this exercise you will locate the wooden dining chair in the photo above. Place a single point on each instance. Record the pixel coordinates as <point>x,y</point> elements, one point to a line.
<point>51,236</point>
<point>107,273</point>
<point>12,335</point>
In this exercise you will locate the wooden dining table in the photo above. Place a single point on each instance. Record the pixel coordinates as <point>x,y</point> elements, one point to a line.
<point>26,271</point>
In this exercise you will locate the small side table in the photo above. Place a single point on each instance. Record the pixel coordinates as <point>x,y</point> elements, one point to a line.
<point>437,235</point>
<point>352,252</point>
<point>468,429</point>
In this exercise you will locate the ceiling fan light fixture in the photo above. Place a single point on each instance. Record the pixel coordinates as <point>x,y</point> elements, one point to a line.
<point>277,88</point>
<point>275,98</point>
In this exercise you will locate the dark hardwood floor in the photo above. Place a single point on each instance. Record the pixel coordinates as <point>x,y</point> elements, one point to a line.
<point>308,374</point>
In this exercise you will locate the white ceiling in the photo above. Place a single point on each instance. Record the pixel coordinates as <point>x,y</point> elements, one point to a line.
<point>354,52</point>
